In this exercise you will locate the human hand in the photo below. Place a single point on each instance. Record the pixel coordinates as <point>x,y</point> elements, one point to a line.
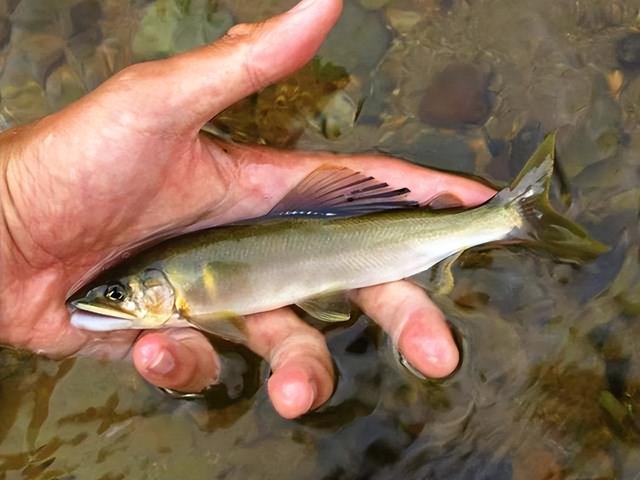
<point>127,163</point>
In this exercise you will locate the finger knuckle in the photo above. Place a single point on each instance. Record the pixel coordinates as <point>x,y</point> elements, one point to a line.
<point>129,75</point>
<point>242,30</point>
<point>244,36</point>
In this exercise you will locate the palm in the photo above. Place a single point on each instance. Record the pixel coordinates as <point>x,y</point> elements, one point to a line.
<point>128,186</point>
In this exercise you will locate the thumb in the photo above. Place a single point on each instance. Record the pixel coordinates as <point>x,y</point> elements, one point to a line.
<point>202,82</point>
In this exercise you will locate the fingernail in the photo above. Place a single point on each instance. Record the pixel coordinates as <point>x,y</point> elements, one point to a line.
<point>157,361</point>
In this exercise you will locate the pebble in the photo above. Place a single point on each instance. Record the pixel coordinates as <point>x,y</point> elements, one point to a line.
<point>5,31</point>
<point>85,15</point>
<point>458,96</point>
<point>628,50</point>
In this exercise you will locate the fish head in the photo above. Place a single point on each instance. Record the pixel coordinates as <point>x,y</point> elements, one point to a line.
<point>138,301</point>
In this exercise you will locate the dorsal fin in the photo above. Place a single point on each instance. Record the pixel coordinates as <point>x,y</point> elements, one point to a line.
<point>339,191</point>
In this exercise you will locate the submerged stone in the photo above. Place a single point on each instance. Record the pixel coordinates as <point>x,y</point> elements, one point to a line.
<point>458,96</point>
<point>523,145</point>
<point>85,15</point>
<point>373,4</point>
<point>174,26</point>
<point>448,152</point>
<point>5,31</point>
<point>628,50</point>
<point>368,40</point>
<point>311,98</point>
<point>338,116</point>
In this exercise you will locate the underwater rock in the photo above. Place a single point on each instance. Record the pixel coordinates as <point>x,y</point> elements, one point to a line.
<point>5,31</point>
<point>628,50</point>
<point>85,15</point>
<point>571,392</point>
<point>373,4</point>
<point>510,156</point>
<point>403,21</point>
<point>338,116</point>
<point>38,16</point>
<point>369,39</point>
<point>376,103</point>
<point>8,6</point>
<point>536,463</point>
<point>477,465</point>
<point>311,98</point>
<point>446,4</point>
<point>23,102</point>
<point>13,361</point>
<point>173,27</point>
<point>85,41</point>
<point>523,145</point>
<point>458,96</point>
<point>431,150</point>
<point>599,15</point>
<point>597,136</point>
<point>63,87</point>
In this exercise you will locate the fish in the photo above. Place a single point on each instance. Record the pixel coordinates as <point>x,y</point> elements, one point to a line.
<point>337,231</point>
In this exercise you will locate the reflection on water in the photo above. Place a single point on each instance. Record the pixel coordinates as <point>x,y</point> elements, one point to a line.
<point>549,387</point>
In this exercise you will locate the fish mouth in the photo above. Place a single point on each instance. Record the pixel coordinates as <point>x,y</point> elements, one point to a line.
<point>89,316</point>
<point>99,323</point>
<point>82,304</point>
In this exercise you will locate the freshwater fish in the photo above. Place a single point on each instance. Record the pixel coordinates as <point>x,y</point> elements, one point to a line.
<point>338,230</point>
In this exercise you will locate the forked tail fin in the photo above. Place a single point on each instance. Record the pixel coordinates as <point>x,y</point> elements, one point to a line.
<point>542,226</point>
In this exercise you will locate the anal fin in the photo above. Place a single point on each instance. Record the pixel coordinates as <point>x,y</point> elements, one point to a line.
<point>332,307</point>
<point>439,278</point>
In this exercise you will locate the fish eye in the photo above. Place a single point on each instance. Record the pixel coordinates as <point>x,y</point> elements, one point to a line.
<point>115,292</point>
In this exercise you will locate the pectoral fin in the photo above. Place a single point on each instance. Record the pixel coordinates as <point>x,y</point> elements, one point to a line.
<point>230,327</point>
<point>333,307</point>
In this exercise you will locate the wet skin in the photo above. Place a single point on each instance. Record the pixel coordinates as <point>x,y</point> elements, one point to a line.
<point>127,162</point>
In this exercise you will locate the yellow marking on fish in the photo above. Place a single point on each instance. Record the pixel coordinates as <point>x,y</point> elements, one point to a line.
<point>209,279</point>
<point>182,305</point>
